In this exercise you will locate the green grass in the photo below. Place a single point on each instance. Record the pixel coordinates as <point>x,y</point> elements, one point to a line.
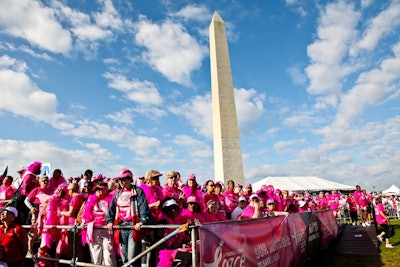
<point>387,258</point>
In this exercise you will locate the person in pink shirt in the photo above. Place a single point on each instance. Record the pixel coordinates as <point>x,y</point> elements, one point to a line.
<point>193,213</point>
<point>248,191</point>
<point>76,203</point>
<point>172,190</point>
<point>382,219</point>
<point>38,196</point>
<point>177,248</point>
<point>218,190</point>
<point>303,206</point>
<point>252,210</point>
<point>58,203</point>
<point>333,202</point>
<point>352,204</point>
<point>56,180</point>
<point>6,191</point>
<point>262,193</point>
<point>278,200</point>
<point>100,240</point>
<point>231,199</point>
<point>192,189</point>
<point>321,202</point>
<point>211,214</point>
<point>362,204</point>
<point>154,192</point>
<point>210,195</point>
<point>271,210</point>
<point>129,207</point>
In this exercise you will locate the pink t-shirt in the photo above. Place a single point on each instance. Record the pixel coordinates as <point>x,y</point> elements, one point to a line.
<point>124,205</point>
<point>379,218</point>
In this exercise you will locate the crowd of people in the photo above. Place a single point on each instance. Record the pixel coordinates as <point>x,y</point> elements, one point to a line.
<point>91,206</point>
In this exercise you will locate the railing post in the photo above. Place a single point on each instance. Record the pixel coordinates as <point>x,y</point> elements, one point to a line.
<point>194,252</point>
<point>75,231</point>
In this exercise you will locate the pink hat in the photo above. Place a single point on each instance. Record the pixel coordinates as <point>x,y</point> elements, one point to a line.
<point>191,177</point>
<point>124,173</point>
<point>62,187</point>
<point>270,188</point>
<point>35,167</point>
<point>264,187</point>
<point>192,199</point>
<point>101,187</point>
<point>270,201</point>
<point>249,186</point>
<point>156,174</point>
<point>98,177</point>
<point>254,196</point>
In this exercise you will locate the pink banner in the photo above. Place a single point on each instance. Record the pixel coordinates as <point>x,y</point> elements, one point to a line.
<point>279,241</point>
<point>255,242</point>
<point>329,228</point>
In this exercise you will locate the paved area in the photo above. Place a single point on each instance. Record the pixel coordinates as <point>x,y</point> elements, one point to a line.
<point>358,240</point>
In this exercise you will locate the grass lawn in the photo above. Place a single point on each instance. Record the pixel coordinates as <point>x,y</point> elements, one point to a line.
<point>387,258</point>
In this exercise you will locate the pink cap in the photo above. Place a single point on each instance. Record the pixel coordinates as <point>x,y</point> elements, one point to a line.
<point>124,173</point>
<point>192,199</point>
<point>191,177</point>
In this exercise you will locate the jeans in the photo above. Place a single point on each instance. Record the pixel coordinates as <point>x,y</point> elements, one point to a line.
<point>129,248</point>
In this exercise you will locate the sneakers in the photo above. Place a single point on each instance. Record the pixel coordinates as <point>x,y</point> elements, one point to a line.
<point>368,224</point>
<point>354,223</point>
<point>379,238</point>
<point>364,225</point>
<point>389,246</point>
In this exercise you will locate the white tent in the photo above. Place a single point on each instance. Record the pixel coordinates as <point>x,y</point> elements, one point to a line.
<point>393,190</point>
<point>301,183</point>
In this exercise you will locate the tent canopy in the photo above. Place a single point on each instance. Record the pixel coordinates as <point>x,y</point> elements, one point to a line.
<point>393,190</point>
<point>301,183</point>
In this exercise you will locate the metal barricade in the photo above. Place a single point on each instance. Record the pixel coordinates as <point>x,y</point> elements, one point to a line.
<point>75,228</point>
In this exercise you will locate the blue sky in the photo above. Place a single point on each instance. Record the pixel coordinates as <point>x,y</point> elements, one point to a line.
<point>110,84</point>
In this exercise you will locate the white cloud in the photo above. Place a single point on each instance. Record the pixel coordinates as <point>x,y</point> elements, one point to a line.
<point>380,26</point>
<point>194,12</point>
<point>109,17</point>
<point>370,88</point>
<point>36,23</point>
<point>123,116</point>
<point>143,92</point>
<point>22,97</point>
<point>249,109</point>
<point>336,31</point>
<point>21,153</point>
<point>168,44</point>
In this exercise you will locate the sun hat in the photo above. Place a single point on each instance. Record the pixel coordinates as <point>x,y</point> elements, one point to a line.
<point>169,202</point>
<point>302,203</point>
<point>242,198</point>
<point>124,173</point>
<point>156,174</point>
<point>100,186</point>
<point>254,196</point>
<point>12,210</point>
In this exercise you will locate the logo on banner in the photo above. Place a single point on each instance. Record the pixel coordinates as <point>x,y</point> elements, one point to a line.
<point>233,260</point>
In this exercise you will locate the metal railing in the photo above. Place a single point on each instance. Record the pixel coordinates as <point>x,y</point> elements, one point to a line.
<point>75,228</point>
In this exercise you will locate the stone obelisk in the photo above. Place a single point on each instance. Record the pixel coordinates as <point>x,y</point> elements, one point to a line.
<point>227,153</point>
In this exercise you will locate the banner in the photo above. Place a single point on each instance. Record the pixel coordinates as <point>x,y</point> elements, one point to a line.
<point>278,241</point>
<point>254,242</point>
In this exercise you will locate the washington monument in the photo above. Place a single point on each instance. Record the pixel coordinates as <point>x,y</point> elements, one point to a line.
<point>227,154</point>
